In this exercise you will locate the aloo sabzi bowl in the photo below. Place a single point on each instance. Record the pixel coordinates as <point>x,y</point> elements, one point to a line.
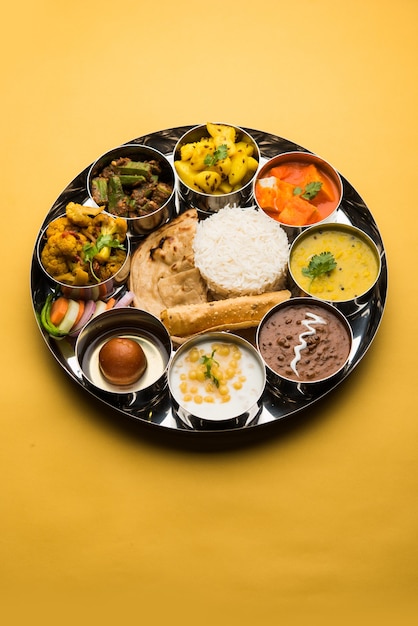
<point>82,286</point>
<point>215,166</point>
<point>134,325</point>
<point>305,344</point>
<point>216,381</point>
<point>136,182</point>
<point>298,190</point>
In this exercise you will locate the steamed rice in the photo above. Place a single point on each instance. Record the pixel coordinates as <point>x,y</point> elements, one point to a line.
<point>241,251</point>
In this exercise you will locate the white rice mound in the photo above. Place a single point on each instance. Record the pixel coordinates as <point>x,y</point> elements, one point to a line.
<point>241,251</point>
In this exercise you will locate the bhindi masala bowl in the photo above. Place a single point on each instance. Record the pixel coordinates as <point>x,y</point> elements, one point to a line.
<point>135,182</point>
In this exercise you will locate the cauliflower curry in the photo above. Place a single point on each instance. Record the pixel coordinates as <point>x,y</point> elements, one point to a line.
<point>84,247</point>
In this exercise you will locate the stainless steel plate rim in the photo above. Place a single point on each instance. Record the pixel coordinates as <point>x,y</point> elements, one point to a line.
<point>365,322</point>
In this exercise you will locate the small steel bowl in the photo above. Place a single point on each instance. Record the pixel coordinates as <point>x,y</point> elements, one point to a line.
<point>206,203</point>
<point>151,335</point>
<point>300,158</point>
<point>288,339</point>
<point>244,404</point>
<point>141,225</point>
<point>98,291</point>
<point>345,286</point>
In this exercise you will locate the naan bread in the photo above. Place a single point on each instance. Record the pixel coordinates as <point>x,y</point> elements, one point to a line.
<point>162,267</point>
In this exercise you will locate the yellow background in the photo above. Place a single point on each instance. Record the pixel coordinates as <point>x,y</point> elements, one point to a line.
<point>103,521</point>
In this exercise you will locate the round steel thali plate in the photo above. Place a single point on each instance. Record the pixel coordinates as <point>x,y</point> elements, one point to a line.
<point>364,321</point>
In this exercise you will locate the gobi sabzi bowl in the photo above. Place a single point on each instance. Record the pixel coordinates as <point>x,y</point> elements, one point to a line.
<point>85,253</point>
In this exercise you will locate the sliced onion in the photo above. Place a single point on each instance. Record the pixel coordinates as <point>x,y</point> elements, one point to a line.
<point>70,317</point>
<point>125,300</point>
<point>100,307</point>
<point>89,308</point>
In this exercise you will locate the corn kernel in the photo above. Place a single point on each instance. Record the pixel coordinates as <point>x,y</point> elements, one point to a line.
<point>194,355</point>
<point>233,364</point>
<point>237,353</point>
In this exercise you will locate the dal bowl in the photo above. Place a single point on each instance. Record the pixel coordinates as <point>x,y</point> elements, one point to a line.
<point>349,255</point>
<point>304,344</point>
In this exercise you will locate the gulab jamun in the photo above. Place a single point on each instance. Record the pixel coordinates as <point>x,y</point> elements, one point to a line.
<point>122,361</point>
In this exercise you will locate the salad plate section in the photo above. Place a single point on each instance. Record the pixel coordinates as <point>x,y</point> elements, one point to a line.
<point>188,263</point>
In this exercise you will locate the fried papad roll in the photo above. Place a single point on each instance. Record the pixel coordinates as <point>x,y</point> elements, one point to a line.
<point>230,314</point>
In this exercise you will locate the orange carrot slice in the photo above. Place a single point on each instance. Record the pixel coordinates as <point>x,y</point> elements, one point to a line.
<point>58,310</point>
<point>81,307</point>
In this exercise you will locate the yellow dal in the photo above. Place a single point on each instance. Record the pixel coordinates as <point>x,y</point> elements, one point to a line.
<point>356,271</point>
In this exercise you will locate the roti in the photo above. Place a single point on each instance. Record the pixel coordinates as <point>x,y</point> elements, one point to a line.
<point>163,273</point>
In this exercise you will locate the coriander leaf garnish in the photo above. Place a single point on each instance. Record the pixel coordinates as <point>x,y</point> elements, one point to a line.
<point>90,250</point>
<point>220,153</point>
<point>209,362</point>
<point>311,190</point>
<point>103,241</point>
<point>319,264</point>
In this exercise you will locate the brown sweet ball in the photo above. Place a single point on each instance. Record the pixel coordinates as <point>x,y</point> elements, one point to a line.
<point>122,361</point>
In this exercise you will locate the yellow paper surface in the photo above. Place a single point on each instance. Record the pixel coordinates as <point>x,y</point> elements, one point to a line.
<point>105,521</point>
